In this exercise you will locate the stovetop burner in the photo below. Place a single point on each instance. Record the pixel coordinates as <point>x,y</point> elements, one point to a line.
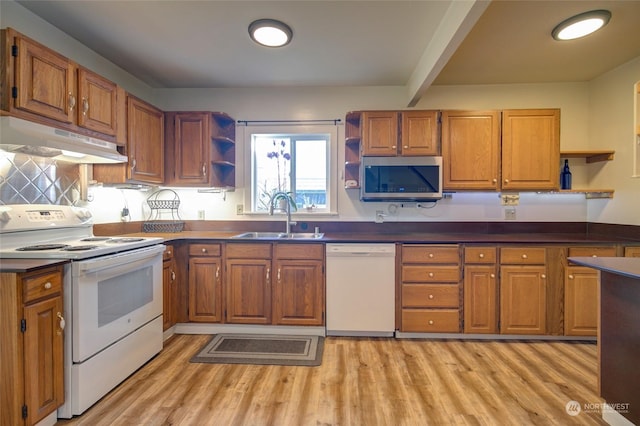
<point>124,240</point>
<point>96,239</point>
<point>42,247</point>
<point>80,248</point>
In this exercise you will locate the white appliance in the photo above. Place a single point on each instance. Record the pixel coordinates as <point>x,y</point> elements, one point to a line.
<point>112,295</point>
<point>360,289</point>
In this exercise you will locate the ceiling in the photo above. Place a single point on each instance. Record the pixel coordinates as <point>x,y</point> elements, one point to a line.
<point>205,44</point>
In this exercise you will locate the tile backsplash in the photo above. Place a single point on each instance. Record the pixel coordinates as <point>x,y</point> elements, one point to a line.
<point>37,180</point>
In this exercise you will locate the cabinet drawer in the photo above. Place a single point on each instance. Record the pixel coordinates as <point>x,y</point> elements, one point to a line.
<point>431,320</point>
<point>522,255</point>
<point>168,252</point>
<point>299,251</point>
<point>248,251</point>
<point>430,296</point>
<point>592,251</point>
<point>42,284</point>
<point>430,254</point>
<point>480,255</point>
<point>205,250</point>
<point>430,273</point>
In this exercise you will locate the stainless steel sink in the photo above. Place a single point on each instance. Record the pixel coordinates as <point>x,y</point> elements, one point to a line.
<point>278,236</point>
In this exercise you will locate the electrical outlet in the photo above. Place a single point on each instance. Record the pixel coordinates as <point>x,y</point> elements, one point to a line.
<point>379,216</point>
<point>239,209</point>
<point>201,214</point>
<point>510,213</point>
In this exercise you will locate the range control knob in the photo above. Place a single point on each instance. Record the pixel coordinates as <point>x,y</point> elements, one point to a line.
<point>5,216</point>
<point>83,214</point>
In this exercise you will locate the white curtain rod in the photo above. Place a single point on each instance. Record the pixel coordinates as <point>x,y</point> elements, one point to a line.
<point>334,121</point>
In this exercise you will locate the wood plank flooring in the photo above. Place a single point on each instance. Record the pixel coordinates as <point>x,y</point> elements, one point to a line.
<point>363,381</point>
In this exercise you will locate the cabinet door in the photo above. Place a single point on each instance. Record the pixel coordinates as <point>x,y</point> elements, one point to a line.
<point>523,299</point>
<point>97,101</point>
<point>531,149</point>
<point>145,134</point>
<point>45,81</point>
<point>205,289</point>
<point>43,361</point>
<point>580,301</point>
<point>170,292</point>
<point>248,291</point>
<point>470,149</point>
<point>298,292</point>
<point>480,299</point>
<point>380,133</point>
<point>419,133</point>
<point>191,149</point>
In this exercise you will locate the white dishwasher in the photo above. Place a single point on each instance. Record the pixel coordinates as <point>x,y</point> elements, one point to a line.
<point>361,289</point>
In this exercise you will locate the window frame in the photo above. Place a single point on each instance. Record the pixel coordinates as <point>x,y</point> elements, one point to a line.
<point>247,131</point>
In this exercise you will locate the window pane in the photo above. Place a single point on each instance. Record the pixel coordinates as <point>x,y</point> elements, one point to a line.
<point>272,168</point>
<point>311,173</point>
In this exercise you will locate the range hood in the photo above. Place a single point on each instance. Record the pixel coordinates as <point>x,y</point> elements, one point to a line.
<point>26,137</point>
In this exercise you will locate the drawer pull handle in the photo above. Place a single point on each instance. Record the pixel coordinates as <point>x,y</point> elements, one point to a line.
<point>218,272</point>
<point>62,322</point>
<point>430,274</point>
<point>85,106</point>
<point>524,256</point>
<point>430,322</point>
<point>72,102</point>
<point>278,274</point>
<point>47,285</point>
<point>268,273</point>
<point>431,296</point>
<point>594,255</point>
<point>204,250</point>
<point>481,255</point>
<point>570,277</point>
<point>173,276</point>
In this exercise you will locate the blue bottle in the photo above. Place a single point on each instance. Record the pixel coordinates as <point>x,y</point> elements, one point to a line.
<point>565,176</point>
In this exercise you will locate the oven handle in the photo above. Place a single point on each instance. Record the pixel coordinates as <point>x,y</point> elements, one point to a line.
<point>119,259</point>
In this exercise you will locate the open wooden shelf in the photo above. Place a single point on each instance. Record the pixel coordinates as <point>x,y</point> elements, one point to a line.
<point>590,156</point>
<point>591,193</point>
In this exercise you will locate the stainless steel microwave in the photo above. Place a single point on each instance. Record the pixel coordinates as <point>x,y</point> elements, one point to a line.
<point>401,178</point>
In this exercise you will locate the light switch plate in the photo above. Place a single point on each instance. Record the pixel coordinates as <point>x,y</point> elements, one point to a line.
<point>239,209</point>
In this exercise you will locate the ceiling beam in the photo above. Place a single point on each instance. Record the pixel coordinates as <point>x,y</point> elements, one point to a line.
<point>459,19</point>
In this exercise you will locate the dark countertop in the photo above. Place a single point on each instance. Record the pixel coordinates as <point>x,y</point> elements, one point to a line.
<point>427,238</point>
<point>26,265</point>
<point>627,266</point>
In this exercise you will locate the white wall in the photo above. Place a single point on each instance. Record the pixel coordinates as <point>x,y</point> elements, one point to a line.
<point>595,115</point>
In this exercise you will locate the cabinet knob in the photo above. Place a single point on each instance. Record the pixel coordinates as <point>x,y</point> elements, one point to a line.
<point>594,255</point>
<point>169,253</point>
<point>62,322</point>
<point>393,146</point>
<point>543,276</point>
<point>47,285</point>
<point>492,275</point>
<point>481,255</point>
<point>506,181</point>
<point>430,255</point>
<point>72,102</point>
<point>204,250</point>
<point>431,296</point>
<point>524,256</point>
<point>494,180</point>
<point>430,274</point>
<point>570,276</point>
<point>430,322</point>
<point>406,147</point>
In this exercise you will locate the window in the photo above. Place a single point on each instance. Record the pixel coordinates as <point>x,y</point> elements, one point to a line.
<point>295,162</point>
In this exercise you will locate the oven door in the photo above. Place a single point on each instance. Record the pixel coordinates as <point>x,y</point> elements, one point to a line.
<point>114,295</point>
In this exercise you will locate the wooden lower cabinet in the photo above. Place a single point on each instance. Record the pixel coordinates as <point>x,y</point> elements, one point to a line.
<point>430,292</point>
<point>523,299</point>
<point>170,296</point>
<point>32,365</point>
<point>205,285</point>
<point>580,301</point>
<point>298,289</point>
<point>480,290</point>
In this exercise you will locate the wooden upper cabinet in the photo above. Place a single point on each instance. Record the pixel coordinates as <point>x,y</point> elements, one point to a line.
<point>530,149</point>
<point>47,86</point>
<point>145,131</point>
<point>471,150</point>
<point>419,133</point>
<point>379,133</point>
<point>189,151</point>
<point>97,101</point>
<point>44,80</point>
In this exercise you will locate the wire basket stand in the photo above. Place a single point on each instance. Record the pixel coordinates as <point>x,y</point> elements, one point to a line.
<point>163,203</point>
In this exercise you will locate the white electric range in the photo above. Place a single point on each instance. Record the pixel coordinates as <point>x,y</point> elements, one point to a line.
<point>112,295</point>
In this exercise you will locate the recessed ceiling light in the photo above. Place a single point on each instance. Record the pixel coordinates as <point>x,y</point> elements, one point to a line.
<point>270,33</point>
<point>581,25</point>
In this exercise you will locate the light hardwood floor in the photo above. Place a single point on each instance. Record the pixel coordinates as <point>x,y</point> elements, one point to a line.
<point>363,381</point>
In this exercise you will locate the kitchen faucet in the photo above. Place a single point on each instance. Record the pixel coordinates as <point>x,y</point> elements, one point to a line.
<point>281,195</point>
